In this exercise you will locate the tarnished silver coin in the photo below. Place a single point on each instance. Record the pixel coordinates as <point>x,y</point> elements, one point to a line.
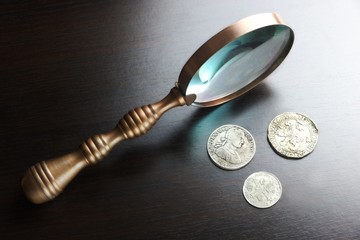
<point>262,189</point>
<point>292,135</point>
<point>231,147</point>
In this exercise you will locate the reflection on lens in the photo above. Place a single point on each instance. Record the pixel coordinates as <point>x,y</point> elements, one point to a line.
<point>239,63</point>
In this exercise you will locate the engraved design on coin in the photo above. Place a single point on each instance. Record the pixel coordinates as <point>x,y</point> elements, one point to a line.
<point>231,147</point>
<point>262,189</point>
<point>292,135</point>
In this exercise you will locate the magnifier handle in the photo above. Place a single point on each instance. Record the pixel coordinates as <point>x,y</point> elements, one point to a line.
<point>46,180</point>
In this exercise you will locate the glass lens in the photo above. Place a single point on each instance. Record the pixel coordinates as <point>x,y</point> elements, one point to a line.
<point>239,63</point>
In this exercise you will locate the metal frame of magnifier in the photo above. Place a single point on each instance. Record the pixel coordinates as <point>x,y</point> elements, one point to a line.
<point>46,180</point>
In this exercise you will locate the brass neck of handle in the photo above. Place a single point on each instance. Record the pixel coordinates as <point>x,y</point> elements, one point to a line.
<point>46,180</point>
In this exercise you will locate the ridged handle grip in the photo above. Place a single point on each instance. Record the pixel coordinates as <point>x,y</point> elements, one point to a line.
<point>46,180</point>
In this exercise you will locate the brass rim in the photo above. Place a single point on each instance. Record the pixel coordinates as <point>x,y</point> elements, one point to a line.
<point>224,37</point>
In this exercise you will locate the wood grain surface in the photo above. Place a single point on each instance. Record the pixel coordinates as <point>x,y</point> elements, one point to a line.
<point>71,69</point>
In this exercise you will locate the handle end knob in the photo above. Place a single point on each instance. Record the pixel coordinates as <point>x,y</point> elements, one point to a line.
<point>46,180</point>
<point>38,185</point>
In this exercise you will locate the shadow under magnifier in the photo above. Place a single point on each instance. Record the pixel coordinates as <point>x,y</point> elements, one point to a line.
<point>196,128</point>
<point>209,119</point>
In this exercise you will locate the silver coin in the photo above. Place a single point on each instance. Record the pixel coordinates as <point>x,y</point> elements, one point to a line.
<point>262,189</point>
<point>292,135</point>
<point>231,147</point>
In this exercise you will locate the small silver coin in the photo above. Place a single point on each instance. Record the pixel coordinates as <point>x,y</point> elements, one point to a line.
<point>262,189</point>
<point>292,135</point>
<point>231,147</point>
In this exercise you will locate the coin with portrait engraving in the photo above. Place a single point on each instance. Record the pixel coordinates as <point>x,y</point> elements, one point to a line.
<point>231,147</point>
<point>262,189</point>
<point>292,135</point>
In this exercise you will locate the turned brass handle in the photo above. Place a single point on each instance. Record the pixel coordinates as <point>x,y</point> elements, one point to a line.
<point>46,180</point>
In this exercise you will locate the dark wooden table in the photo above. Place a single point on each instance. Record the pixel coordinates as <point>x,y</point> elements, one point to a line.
<point>71,69</point>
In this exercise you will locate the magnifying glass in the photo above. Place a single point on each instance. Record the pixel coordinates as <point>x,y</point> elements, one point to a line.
<point>226,66</point>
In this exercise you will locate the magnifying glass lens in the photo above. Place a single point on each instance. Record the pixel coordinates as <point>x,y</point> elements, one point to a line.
<point>240,63</point>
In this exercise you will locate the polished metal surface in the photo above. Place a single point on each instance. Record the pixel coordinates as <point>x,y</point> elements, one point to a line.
<point>231,147</point>
<point>239,29</point>
<point>262,189</point>
<point>292,135</point>
<point>46,180</point>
